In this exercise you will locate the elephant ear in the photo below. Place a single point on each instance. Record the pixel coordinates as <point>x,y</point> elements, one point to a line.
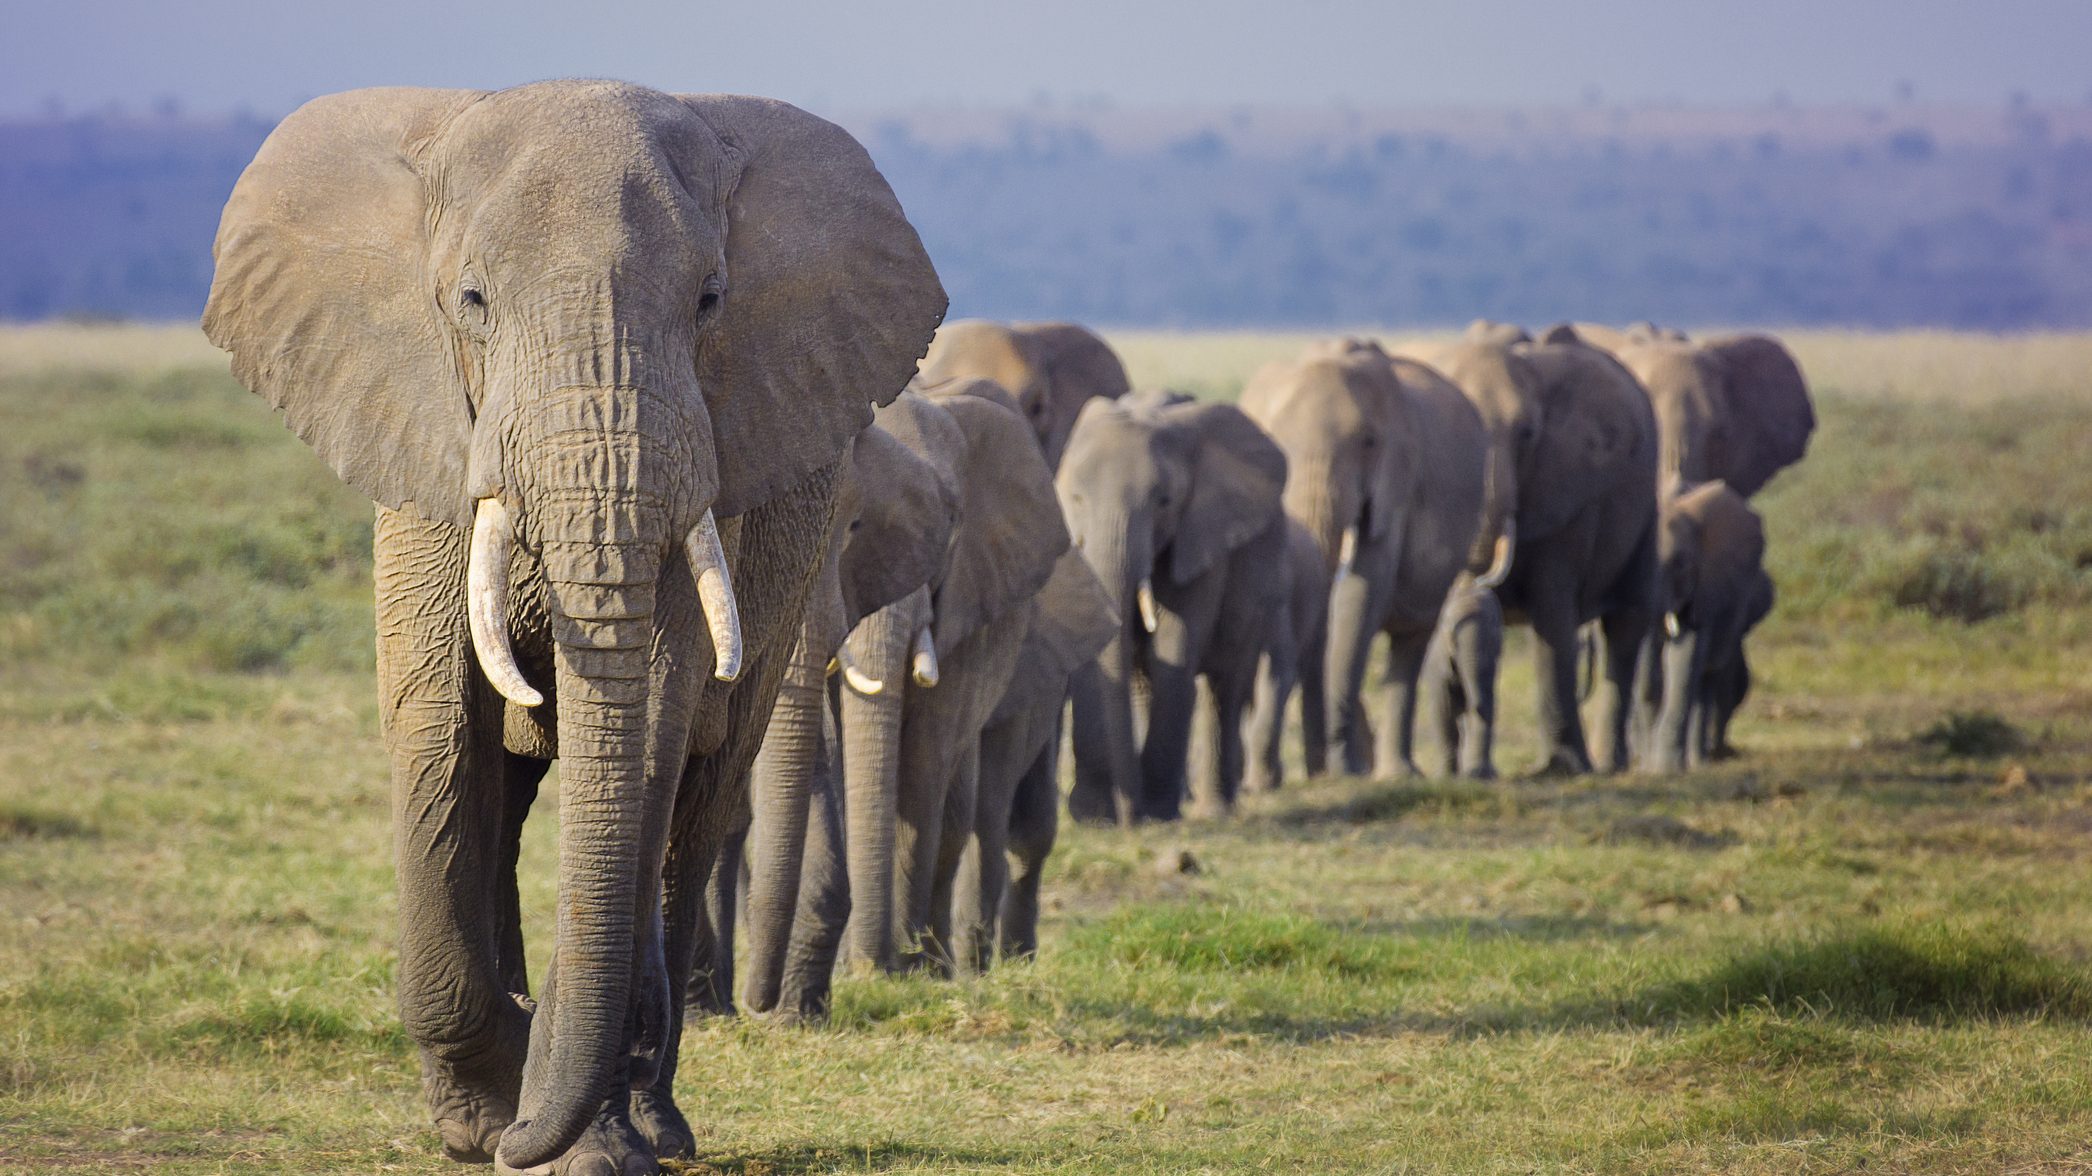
<point>1769,414</point>
<point>1080,364</point>
<point>320,295</point>
<point>1010,525</point>
<point>1237,476</point>
<point>1075,620</point>
<point>907,510</point>
<point>1599,432</point>
<point>1496,334</point>
<point>829,301</point>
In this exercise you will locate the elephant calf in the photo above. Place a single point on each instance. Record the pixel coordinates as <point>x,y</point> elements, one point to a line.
<point>1294,649</point>
<point>1712,551</point>
<point>1460,676</point>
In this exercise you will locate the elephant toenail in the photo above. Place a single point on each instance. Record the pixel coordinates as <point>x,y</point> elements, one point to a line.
<point>592,1164</point>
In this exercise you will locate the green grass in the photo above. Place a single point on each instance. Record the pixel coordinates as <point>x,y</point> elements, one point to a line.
<point>1864,944</point>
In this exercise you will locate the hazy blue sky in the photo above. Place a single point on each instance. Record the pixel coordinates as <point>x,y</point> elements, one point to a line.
<point>862,54</point>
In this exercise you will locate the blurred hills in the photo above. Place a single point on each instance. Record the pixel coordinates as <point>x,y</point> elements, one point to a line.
<point>1890,216</point>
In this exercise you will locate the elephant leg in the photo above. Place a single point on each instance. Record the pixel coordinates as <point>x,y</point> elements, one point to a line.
<point>1265,771</point>
<point>1477,650</point>
<point>1314,712</point>
<point>1352,625</point>
<point>1172,703</point>
<point>1209,795</point>
<point>1733,684</point>
<point>1667,739</point>
<point>961,805</point>
<point>1555,655</point>
<point>1008,748</point>
<point>1034,825</point>
<point>1442,704</point>
<point>824,896</point>
<point>1405,663</point>
<point>1625,632</point>
<point>450,815</point>
<point>782,786</point>
<point>520,791</point>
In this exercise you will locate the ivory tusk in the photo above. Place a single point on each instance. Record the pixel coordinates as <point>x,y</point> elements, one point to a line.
<point>1144,599</point>
<point>486,602</point>
<point>1671,627</point>
<point>1347,550</point>
<point>715,595</point>
<point>857,679</point>
<point>1500,565</point>
<point>925,658</point>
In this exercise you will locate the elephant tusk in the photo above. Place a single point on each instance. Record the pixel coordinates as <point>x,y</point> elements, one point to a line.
<point>1671,627</point>
<point>925,658</point>
<point>1500,566</point>
<point>1347,551</point>
<point>715,595</point>
<point>486,604</point>
<point>834,664</point>
<point>858,680</point>
<point>1144,599</point>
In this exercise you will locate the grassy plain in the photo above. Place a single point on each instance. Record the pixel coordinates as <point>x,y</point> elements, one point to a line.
<point>1863,944</point>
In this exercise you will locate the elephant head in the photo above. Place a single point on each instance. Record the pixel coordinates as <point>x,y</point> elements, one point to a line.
<point>1338,414</point>
<point>1155,493</point>
<point>587,320</point>
<point>1051,369</point>
<point>1733,407</point>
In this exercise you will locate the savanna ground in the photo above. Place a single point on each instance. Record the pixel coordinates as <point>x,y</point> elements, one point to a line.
<point>1864,944</point>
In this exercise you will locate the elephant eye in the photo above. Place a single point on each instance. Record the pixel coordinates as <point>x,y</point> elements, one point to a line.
<point>708,298</point>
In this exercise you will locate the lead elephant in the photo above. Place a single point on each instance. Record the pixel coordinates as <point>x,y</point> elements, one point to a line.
<point>1712,548</point>
<point>1052,369</point>
<point>1572,494</point>
<point>1386,469</point>
<point>595,351</point>
<point>1176,506</point>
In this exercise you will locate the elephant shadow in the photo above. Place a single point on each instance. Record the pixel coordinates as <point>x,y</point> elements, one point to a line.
<point>885,1156</point>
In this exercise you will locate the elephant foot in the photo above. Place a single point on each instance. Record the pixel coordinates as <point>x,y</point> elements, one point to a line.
<point>662,1123</point>
<point>471,1104</point>
<point>1261,781</point>
<point>1562,762</point>
<point>1481,772</point>
<point>1089,808</point>
<point>1723,752</point>
<point>611,1146</point>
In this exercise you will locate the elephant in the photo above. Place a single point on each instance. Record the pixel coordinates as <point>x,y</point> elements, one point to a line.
<point>1387,469</point>
<point>1734,408</point>
<point>1017,816</point>
<point>911,751</point>
<point>1572,500</point>
<point>1176,506</point>
<point>1712,550</point>
<point>894,520</point>
<point>1052,369</point>
<point>1459,679</point>
<point>595,351</point>
<point>1295,650</point>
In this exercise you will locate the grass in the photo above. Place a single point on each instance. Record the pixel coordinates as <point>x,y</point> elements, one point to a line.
<point>1863,944</point>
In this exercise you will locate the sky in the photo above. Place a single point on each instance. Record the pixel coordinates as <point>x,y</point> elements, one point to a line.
<point>211,56</point>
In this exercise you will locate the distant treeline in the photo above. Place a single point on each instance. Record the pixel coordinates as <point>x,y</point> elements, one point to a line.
<point>1889,225</point>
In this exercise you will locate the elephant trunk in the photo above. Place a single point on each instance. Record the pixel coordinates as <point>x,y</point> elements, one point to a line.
<point>870,722</point>
<point>1106,750</point>
<point>602,591</point>
<point>1497,539</point>
<point>1323,502</point>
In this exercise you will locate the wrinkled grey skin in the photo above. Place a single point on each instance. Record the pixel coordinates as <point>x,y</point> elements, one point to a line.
<point>894,521</point>
<point>1459,684</point>
<point>1728,680</point>
<point>1573,466</point>
<point>911,754</point>
<point>611,310</point>
<point>1712,550</point>
<point>1184,497</point>
<point>1386,448</point>
<point>1295,650</point>
<point>1052,369</point>
<point>1017,815</point>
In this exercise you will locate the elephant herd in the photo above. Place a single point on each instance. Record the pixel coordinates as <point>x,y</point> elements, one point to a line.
<point>682,480</point>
